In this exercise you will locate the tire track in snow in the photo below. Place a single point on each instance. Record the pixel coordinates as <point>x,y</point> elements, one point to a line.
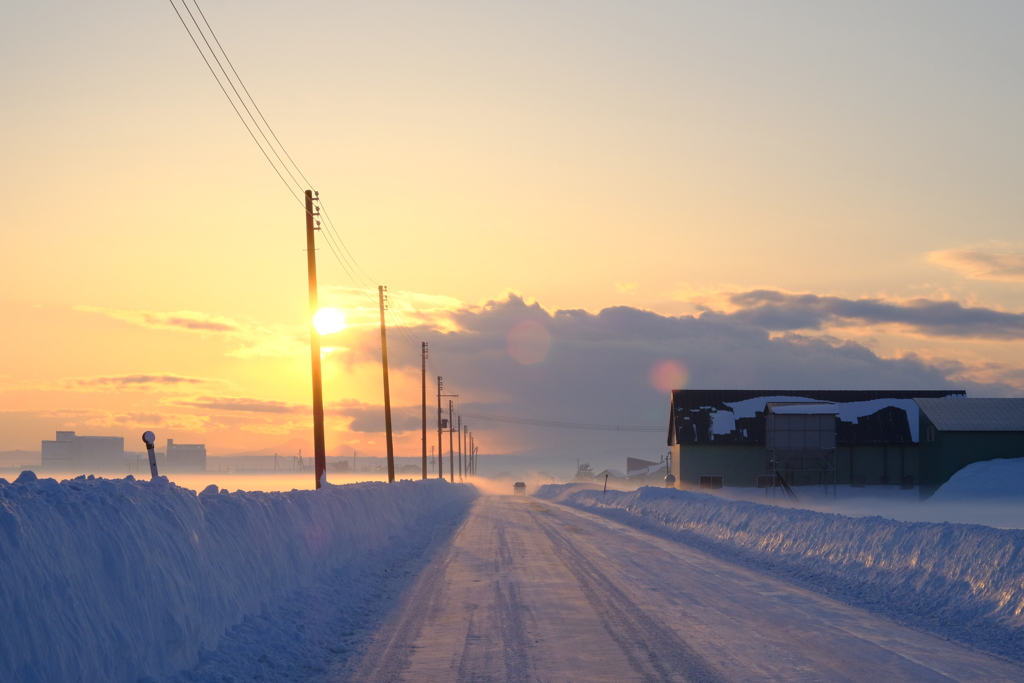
<point>392,651</point>
<point>652,649</point>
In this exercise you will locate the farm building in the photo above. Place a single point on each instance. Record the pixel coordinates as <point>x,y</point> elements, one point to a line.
<point>958,432</point>
<point>846,437</point>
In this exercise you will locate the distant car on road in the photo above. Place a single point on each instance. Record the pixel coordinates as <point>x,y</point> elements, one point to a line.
<point>519,488</point>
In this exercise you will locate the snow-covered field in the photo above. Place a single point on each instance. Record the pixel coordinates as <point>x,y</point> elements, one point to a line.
<point>113,580</point>
<point>965,582</point>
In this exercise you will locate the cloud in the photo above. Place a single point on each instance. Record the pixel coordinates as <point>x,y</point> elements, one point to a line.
<point>994,262</point>
<point>191,321</point>
<point>254,341</point>
<point>137,382</point>
<point>781,311</point>
<point>609,367</point>
<point>243,405</point>
<point>369,418</point>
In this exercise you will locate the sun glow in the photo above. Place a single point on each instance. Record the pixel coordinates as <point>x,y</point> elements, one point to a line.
<point>329,321</point>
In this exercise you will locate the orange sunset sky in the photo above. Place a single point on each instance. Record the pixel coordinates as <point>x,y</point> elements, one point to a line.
<point>579,205</point>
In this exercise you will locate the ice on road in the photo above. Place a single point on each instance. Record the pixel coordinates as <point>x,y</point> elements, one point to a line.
<point>534,591</point>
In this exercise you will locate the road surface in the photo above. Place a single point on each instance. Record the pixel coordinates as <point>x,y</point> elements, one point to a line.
<point>533,591</point>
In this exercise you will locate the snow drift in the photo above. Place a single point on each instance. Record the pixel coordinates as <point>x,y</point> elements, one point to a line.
<point>990,479</point>
<point>965,582</point>
<point>110,580</point>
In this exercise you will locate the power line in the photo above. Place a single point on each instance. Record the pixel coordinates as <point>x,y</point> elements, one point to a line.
<point>232,84</point>
<point>342,254</point>
<point>561,425</point>
<point>255,106</point>
<point>230,101</point>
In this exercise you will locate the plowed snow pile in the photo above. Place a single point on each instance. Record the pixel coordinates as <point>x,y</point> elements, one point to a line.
<point>110,580</point>
<point>962,581</point>
<point>988,480</point>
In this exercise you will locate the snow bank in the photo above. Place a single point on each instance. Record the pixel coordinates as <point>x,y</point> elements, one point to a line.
<point>965,582</point>
<point>110,580</point>
<point>1000,478</point>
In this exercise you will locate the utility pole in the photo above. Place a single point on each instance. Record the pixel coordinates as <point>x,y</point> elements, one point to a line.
<point>451,451</point>
<point>423,383</point>
<point>387,389</point>
<point>319,449</point>
<point>440,448</point>
<point>460,448</point>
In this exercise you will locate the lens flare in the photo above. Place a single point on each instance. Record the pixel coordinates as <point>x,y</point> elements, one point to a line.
<point>529,342</point>
<point>329,321</point>
<point>668,375</point>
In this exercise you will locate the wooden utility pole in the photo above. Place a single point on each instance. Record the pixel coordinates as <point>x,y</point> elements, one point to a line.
<point>387,389</point>
<point>451,451</point>
<point>460,448</point>
<point>424,385</point>
<point>319,449</point>
<point>440,448</point>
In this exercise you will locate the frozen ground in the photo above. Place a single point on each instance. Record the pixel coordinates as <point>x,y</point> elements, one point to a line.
<point>963,582</point>
<point>532,591</point>
<point>110,580</point>
<point>125,581</point>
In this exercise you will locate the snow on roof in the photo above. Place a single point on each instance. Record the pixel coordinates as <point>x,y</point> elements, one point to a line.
<point>974,414</point>
<point>803,408</point>
<point>611,472</point>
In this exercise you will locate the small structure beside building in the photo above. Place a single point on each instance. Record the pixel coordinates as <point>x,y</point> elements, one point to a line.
<point>76,454</point>
<point>646,471</point>
<point>800,438</point>
<point>185,457</point>
<point>958,432</point>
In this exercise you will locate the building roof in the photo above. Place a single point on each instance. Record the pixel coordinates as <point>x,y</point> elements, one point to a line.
<point>816,408</point>
<point>974,414</point>
<point>611,472</point>
<point>724,416</point>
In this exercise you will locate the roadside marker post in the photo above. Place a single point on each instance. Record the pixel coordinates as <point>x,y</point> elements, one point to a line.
<point>150,439</point>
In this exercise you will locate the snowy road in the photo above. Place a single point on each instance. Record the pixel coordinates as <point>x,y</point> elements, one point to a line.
<point>533,591</point>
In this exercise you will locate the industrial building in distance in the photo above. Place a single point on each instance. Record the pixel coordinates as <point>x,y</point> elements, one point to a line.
<point>85,454</point>
<point>185,457</point>
<point>749,438</point>
<point>74,454</point>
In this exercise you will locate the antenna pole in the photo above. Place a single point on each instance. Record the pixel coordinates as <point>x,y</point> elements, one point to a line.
<point>319,449</point>
<point>387,389</point>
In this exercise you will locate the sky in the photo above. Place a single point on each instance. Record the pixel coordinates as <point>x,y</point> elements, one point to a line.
<point>578,205</point>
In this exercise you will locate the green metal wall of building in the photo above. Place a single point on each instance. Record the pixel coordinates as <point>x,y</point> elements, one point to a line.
<point>952,451</point>
<point>740,464</point>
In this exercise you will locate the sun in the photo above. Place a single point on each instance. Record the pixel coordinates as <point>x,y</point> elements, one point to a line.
<point>329,321</point>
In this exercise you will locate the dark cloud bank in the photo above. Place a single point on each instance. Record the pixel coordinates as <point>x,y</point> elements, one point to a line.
<point>779,311</point>
<point>598,367</point>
